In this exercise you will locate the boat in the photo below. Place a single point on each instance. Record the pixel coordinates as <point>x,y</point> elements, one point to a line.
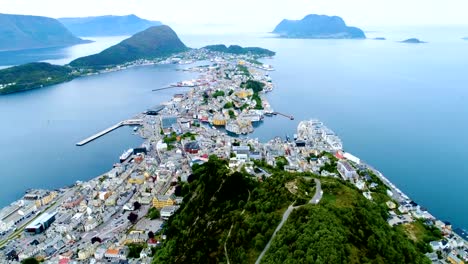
<point>135,129</point>
<point>126,155</point>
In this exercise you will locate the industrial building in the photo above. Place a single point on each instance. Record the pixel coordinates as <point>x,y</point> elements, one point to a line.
<point>40,224</point>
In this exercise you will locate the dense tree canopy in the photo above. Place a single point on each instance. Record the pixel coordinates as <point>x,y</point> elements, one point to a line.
<point>233,213</point>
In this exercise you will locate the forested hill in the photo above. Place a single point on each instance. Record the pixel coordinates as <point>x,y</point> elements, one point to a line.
<point>232,214</point>
<point>32,75</point>
<point>154,42</point>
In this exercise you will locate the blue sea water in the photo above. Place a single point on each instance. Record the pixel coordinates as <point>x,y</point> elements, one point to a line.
<point>400,107</point>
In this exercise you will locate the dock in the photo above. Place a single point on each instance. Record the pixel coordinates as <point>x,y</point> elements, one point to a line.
<point>174,86</point>
<point>130,122</point>
<point>285,115</point>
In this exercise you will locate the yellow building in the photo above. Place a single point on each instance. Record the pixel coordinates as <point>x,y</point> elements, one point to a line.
<point>219,120</point>
<point>244,93</point>
<point>163,200</point>
<point>137,179</point>
<point>40,197</point>
<point>454,259</point>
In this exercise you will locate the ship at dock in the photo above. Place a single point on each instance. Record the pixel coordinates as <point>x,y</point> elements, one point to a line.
<point>126,155</point>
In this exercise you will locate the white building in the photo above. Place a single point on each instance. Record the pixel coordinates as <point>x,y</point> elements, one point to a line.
<point>346,170</point>
<point>168,211</point>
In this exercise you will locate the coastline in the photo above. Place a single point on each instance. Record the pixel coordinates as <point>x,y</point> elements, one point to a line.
<point>147,141</point>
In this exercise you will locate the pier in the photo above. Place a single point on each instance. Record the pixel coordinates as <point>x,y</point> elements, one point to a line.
<point>285,115</point>
<point>130,122</point>
<point>173,86</point>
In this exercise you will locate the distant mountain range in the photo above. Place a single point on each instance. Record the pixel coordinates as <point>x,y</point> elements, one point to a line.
<point>319,27</point>
<point>107,25</point>
<point>154,42</point>
<point>29,32</point>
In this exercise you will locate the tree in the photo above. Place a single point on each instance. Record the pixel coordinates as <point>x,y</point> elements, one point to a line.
<point>136,205</point>
<point>96,239</point>
<point>153,213</point>
<point>30,261</point>
<point>132,217</point>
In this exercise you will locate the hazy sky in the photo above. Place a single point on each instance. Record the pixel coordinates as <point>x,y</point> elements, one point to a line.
<point>252,15</point>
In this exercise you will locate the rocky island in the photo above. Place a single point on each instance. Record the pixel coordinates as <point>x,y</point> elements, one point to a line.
<point>412,41</point>
<point>107,25</point>
<point>318,27</point>
<point>33,32</point>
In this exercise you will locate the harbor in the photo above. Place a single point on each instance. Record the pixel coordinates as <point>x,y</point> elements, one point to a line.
<point>178,134</point>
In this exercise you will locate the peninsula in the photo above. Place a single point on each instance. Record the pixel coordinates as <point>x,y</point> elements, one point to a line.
<point>33,75</point>
<point>193,193</point>
<point>318,27</point>
<point>33,32</point>
<point>107,25</point>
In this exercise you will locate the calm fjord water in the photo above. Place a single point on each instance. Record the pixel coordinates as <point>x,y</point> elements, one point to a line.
<point>400,107</point>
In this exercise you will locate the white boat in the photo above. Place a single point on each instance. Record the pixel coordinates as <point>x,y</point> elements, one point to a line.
<point>135,129</point>
<point>126,155</point>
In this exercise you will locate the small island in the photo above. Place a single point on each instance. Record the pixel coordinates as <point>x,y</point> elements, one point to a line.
<point>318,27</point>
<point>238,50</point>
<point>412,41</point>
<point>379,38</point>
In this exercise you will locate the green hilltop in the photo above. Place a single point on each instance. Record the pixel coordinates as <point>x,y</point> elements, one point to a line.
<point>233,215</point>
<point>154,42</point>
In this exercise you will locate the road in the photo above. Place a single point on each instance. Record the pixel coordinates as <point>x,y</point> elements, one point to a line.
<point>315,200</point>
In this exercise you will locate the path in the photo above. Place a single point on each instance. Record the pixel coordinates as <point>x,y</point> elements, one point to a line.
<point>315,199</point>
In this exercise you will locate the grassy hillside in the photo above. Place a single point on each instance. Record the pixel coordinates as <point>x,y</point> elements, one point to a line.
<point>230,212</point>
<point>155,42</point>
<point>344,228</point>
<point>32,75</point>
<point>28,32</point>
